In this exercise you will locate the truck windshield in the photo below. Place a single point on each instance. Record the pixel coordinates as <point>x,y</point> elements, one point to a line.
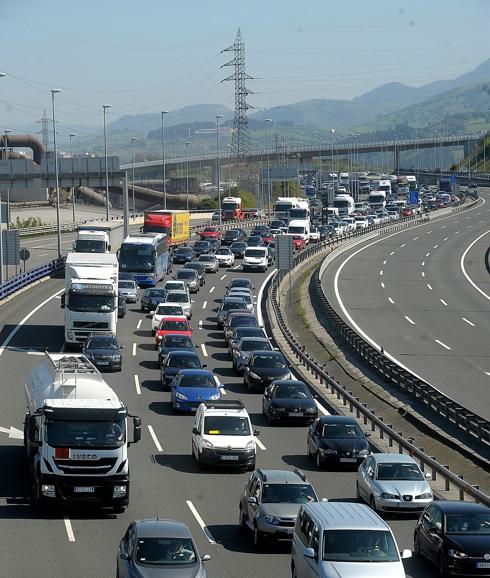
<point>298,214</point>
<point>90,246</point>
<point>341,204</point>
<point>283,207</point>
<point>106,434</point>
<point>229,206</point>
<point>91,303</point>
<point>377,198</point>
<point>296,231</point>
<point>136,258</point>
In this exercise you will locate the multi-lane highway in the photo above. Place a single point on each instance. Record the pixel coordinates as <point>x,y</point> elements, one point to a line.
<point>423,295</point>
<point>165,480</point>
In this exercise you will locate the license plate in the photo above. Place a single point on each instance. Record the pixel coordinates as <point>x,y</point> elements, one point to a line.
<point>348,460</point>
<point>102,363</point>
<point>231,458</point>
<point>84,490</point>
<point>295,414</point>
<point>483,564</point>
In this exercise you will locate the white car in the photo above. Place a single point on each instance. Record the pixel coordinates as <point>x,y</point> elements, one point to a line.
<point>183,299</point>
<point>362,222</point>
<point>349,223</point>
<point>375,219</point>
<point>256,259</point>
<point>276,232</point>
<point>224,257</point>
<point>315,235</point>
<point>174,285</point>
<point>164,309</point>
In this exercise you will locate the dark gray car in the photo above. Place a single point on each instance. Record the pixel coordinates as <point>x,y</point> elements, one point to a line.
<point>163,548</point>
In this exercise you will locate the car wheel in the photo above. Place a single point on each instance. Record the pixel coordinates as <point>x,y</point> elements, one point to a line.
<point>241,520</point>
<point>257,537</point>
<point>308,451</point>
<point>372,503</point>
<point>416,546</point>
<point>293,571</point>
<point>358,493</point>
<point>319,464</point>
<point>269,417</point>
<point>200,464</point>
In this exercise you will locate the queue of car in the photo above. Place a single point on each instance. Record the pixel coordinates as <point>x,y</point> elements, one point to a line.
<point>328,538</point>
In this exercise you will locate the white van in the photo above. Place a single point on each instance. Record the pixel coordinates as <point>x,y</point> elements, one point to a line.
<point>255,258</point>
<point>301,228</point>
<point>333,539</point>
<point>222,435</point>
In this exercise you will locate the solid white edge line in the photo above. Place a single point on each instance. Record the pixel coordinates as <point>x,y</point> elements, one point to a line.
<point>204,350</point>
<point>204,304</point>
<point>259,298</point>
<point>409,320</point>
<point>468,321</point>
<point>320,407</point>
<point>463,269</point>
<point>155,439</point>
<point>443,344</point>
<point>259,443</point>
<point>137,385</point>
<point>139,324</point>
<point>134,349</point>
<point>11,335</point>
<point>69,529</point>
<point>200,521</point>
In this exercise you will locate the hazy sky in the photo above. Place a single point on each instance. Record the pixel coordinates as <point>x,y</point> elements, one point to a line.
<point>145,56</point>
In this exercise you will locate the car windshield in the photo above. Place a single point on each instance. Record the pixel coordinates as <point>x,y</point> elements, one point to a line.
<point>341,430</point>
<point>201,244</point>
<point>165,551</point>
<point>226,425</point>
<point>253,345</point>
<point>468,523</point>
<point>242,320</point>
<point>169,310</point>
<point>177,341</point>
<point>239,245</point>
<point>183,274</point>
<point>240,283</point>
<point>199,380</point>
<point>126,285</point>
<point>210,230</point>
<point>156,293</point>
<point>110,433</point>
<point>183,251</point>
<point>359,546</point>
<point>292,392</point>
<point>288,494</point>
<point>102,343</point>
<point>180,297</point>
<point>207,258</point>
<point>255,253</point>
<point>222,251</point>
<point>399,471</point>
<point>169,285</point>
<point>227,305</point>
<point>184,361</point>
<point>248,332</point>
<point>273,361</point>
<point>173,326</point>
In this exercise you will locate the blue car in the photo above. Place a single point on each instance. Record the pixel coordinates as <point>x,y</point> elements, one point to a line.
<point>191,387</point>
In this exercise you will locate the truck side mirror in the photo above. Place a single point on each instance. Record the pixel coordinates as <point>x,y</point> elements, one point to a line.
<point>63,301</point>
<point>74,246</point>
<point>136,429</point>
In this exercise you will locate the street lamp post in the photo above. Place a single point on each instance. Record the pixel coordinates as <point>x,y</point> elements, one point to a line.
<point>104,108</point>
<point>163,113</point>
<point>187,174</point>
<point>267,122</point>
<point>58,224</point>
<point>133,138</point>
<point>218,118</point>
<point>71,135</point>
<point>5,142</point>
<point>332,132</point>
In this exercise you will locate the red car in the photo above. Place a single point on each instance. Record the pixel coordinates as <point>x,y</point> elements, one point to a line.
<point>299,243</point>
<point>267,238</point>
<point>407,212</point>
<point>211,233</point>
<point>178,324</point>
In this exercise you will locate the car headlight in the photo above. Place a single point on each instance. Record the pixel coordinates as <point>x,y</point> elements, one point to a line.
<point>272,520</point>
<point>424,496</point>
<point>179,395</point>
<point>254,375</point>
<point>364,453</point>
<point>250,447</point>
<point>207,444</point>
<point>457,554</point>
<point>311,410</point>
<point>215,396</point>
<point>116,357</point>
<point>388,496</point>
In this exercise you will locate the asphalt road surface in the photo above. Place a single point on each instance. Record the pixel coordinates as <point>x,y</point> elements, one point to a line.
<point>164,482</point>
<point>423,294</point>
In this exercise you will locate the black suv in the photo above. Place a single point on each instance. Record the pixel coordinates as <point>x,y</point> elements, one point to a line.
<point>233,235</point>
<point>103,351</point>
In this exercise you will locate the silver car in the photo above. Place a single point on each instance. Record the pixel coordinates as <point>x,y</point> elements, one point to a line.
<point>241,353</point>
<point>183,299</point>
<point>159,548</point>
<point>190,277</point>
<point>129,289</point>
<point>211,264</point>
<point>393,483</point>
<point>246,295</point>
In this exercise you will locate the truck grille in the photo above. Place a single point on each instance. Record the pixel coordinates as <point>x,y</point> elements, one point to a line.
<point>90,325</point>
<point>86,467</point>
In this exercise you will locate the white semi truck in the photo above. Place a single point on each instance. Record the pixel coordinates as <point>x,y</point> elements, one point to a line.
<point>90,297</point>
<point>99,238</point>
<point>76,436</point>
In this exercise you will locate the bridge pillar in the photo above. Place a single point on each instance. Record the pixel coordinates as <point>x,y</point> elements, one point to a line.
<point>396,159</point>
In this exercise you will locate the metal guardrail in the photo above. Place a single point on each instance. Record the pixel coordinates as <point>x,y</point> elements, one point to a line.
<point>20,281</point>
<point>395,439</point>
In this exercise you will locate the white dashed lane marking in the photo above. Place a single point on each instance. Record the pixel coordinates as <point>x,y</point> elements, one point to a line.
<point>442,344</point>
<point>429,287</point>
<point>137,385</point>
<point>443,302</point>
<point>69,529</point>
<point>201,523</point>
<point>409,320</point>
<point>468,321</point>
<point>391,300</point>
<point>155,439</point>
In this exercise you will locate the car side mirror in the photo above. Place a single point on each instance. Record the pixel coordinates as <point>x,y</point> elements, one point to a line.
<point>136,429</point>
<point>204,364</point>
<point>252,500</point>
<point>152,312</point>
<point>309,553</point>
<point>406,554</point>
<point>367,434</point>
<point>122,347</point>
<point>205,557</point>
<point>256,432</point>
<point>428,475</point>
<point>122,553</point>
<point>195,431</point>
